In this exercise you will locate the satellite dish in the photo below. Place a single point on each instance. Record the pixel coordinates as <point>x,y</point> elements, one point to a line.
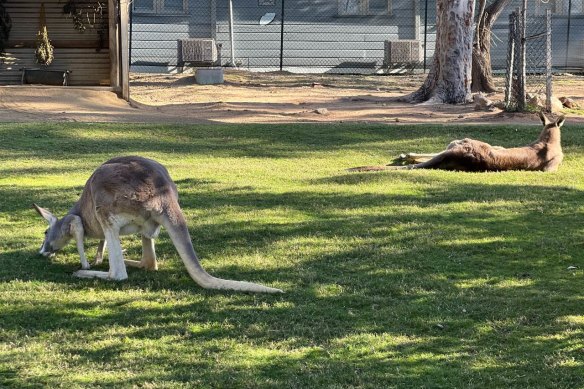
<point>267,18</point>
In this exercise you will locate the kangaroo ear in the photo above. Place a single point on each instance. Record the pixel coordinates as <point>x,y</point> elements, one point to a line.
<point>560,121</point>
<point>75,224</point>
<point>46,214</point>
<point>543,118</point>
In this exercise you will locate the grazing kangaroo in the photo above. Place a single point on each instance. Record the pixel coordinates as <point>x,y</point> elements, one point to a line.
<point>129,195</point>
<point>544,154</point>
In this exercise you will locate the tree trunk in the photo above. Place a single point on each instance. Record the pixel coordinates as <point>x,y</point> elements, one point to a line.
<point>482,74</point>
<point>449,79</point>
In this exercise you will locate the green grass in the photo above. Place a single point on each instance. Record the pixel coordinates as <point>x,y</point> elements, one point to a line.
<point>394,279</point>
<point>574,111</point>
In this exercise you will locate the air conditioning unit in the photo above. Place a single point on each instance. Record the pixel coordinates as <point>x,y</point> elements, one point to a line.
<point>401,51</point>
<point>198,50</point>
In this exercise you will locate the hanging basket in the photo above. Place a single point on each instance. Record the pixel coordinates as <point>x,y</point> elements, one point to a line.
<point>44,49</point>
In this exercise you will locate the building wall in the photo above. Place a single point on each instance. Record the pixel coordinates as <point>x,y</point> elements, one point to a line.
<point>74,51</point>
<point>501,34</point>
<point>572,56</point>
<point>314,33</point>
<point>315,37</point>
<point>154,37</point>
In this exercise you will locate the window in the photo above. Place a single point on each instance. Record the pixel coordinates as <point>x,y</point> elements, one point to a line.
<point>364,7</point>
<point>143,5</point>
<point>160,6</point>
<point>559,7</point>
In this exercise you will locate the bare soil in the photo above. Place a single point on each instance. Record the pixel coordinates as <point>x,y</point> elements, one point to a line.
<point>260,98</point>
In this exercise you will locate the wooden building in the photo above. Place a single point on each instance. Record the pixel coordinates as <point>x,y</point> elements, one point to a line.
<point>89,38</point>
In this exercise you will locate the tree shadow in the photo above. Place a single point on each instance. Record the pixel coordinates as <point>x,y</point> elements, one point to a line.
<point>455,285</point>
<point>263,141</point>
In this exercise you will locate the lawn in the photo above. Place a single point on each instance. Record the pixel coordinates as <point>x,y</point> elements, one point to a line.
<point>392,279</point>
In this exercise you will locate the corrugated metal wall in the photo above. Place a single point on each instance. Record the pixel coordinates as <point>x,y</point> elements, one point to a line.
<point>74,51</point>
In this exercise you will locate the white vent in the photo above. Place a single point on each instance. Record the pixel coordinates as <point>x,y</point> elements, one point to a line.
<point>401,51</point>
<point>198,50</point>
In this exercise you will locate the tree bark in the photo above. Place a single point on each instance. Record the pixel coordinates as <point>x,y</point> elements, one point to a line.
<point>449,79</point>
<point>482,73</point>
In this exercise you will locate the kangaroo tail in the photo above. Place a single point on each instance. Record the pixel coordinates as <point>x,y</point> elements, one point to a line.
<point>377,168</point>
<point>179,234</point>
<point>435,162</point>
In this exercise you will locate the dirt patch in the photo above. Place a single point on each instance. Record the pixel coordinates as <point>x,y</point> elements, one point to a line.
<point>58,104</point>
<point>285,97</point>
<point>260,98</point>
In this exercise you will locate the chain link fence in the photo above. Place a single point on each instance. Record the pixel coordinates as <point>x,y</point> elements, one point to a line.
<point>329,36</point>
<point>538,61</point>
<point>529,61</point>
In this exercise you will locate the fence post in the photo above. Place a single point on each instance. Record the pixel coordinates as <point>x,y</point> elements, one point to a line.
<point>548,60</point>
<point>510,59</point>
<point>568,31</point>
<point>282,38</point>
<point>231,38</point>
<point>130,35</point>
<point>517,48</point>
<point>425,33</point>
<point>521,103</point>
<point>124,41</point>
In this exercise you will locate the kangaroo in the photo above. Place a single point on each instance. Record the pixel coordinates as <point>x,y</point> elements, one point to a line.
<point>544,154</point>
<point>129,195</point>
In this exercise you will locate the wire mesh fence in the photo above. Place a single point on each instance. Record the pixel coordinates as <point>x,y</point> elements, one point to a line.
<point>538,57</point>
<point>329,36</point>
<point>529,61</point>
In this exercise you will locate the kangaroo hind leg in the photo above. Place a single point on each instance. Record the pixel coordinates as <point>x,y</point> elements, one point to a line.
<point>100,252</point>
<point>445,160</point>
<point>148,260</point>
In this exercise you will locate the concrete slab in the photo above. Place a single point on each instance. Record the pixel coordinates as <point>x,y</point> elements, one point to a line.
<point>209,76</point>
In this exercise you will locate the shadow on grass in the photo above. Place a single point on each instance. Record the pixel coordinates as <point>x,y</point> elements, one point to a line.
<point>392,259</point>
<point>62,141</point>
<point>382,290</point>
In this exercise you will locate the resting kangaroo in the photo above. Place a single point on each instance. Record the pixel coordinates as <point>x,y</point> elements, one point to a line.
<point>473,155</point>
<point>129,195</point>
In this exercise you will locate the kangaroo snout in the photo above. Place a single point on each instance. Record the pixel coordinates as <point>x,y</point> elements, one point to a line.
<point>46,250</point>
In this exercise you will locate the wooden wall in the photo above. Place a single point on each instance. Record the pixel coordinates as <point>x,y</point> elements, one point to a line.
<point>75,51</point>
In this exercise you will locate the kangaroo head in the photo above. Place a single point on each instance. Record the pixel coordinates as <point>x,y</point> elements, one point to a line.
<point>57,235</point>
<point>551,129</point>
<point>548,123</point>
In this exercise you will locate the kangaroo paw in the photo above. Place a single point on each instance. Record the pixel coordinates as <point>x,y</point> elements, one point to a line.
<point>91,274</point>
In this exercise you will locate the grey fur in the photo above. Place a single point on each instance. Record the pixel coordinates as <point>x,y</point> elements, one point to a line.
<point>128,195</point>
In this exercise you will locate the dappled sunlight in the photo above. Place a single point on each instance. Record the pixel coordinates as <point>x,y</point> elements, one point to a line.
<point>577,320</point>
<point>416,279</point>
<point>488,283</point>
<point>477,241</point>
